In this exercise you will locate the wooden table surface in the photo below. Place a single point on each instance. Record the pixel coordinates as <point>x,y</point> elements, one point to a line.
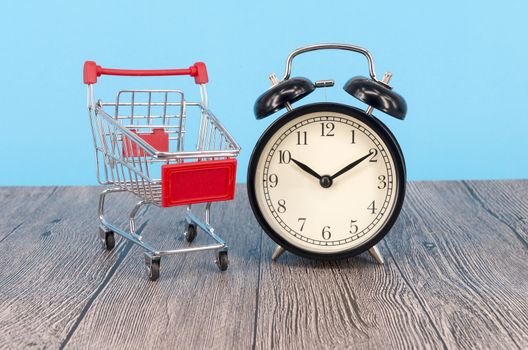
<point>455,277</point>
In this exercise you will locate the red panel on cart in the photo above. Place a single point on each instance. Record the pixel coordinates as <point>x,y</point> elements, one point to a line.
<point>158,139</point>
<point>198,182</point>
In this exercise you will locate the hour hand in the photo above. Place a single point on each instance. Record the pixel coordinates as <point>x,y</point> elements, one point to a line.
<point>306,168</point>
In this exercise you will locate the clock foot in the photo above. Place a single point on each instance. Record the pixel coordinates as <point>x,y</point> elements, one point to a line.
<point>277,253</point>
<point>375,253</point>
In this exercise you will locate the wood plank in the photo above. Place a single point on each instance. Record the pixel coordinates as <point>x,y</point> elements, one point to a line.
<point>51,267</point>
<point>18,203</point>
<point>466,268</point>
<point>506,200</point>
<point>193,304</point>
<point>455,277</point>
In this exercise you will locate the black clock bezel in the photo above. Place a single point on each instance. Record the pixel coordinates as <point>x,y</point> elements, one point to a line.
<point>378,127</point>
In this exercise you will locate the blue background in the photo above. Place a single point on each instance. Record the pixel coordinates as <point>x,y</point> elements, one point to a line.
<point>460,65</point>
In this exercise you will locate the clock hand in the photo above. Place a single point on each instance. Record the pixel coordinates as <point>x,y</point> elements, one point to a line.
<point>306,168</point>
<point>350,166</point>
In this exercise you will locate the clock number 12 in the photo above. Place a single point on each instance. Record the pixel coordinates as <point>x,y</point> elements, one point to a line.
<point>327,129</point>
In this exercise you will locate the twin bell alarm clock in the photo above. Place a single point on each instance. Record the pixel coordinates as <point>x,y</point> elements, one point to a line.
<point>327,180</point>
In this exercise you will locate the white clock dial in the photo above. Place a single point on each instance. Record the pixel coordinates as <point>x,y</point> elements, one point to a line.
<point>326,182</point>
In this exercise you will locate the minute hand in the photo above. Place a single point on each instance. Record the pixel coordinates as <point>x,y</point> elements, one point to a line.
<point>350,166</point>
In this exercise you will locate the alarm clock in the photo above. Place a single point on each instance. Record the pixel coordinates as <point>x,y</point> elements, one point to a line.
<point>327,180</point>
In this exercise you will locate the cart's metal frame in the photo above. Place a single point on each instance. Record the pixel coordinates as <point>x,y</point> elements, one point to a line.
<point>113,136</point>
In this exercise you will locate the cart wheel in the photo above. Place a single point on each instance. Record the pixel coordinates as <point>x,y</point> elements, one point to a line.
<point>108,238</point>
<point>222,260</point>
<point>153,269</point>
<point>191,233</point>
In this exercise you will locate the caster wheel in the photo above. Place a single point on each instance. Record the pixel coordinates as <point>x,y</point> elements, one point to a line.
<point>191,233</point>
<point>222,260</point>
<point>153,270</point>
<point>108,239</point>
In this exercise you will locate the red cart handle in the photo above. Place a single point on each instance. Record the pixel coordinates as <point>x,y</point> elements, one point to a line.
<point>92,71</point>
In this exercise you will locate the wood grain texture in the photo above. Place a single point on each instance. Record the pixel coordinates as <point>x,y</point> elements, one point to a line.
<point>51,265</point>
<point>455,277</point>
<point>17,205</point>
<point>507,201</point>
<point>193,304</point>
<point>467,269</point>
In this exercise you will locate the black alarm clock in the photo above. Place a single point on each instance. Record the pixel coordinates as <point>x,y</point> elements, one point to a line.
<point>327,180</point>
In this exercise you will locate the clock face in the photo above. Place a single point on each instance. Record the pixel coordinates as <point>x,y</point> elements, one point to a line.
<point>327,180</point>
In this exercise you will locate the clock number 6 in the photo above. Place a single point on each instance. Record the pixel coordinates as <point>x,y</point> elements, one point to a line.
<point>326,233</point>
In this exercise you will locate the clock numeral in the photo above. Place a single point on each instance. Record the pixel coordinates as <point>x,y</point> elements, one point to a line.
<point>282,206</point>
<point>326,233</point>
<point>382,183</point>
<point>327,129</point>
<point>284,157</point>
<point>372,207</point>
<point>353,227</point>
<point>273,180</point>
<point>374,153</point>
<point>302,138</point>
<point>353,136</point>
<point>303,222</point>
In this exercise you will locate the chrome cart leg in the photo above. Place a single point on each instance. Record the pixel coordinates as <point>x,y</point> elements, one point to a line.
<point>375,253</point>
<point>106,234</point>
<point>132,219</point>
<point>108,227</point>
<point>277,253</point>
<point>221,259</point>
<point>191,231</point>
<point>208,214</point>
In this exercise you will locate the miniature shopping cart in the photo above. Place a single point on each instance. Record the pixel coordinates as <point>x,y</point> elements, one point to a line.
<point>140,147</point>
